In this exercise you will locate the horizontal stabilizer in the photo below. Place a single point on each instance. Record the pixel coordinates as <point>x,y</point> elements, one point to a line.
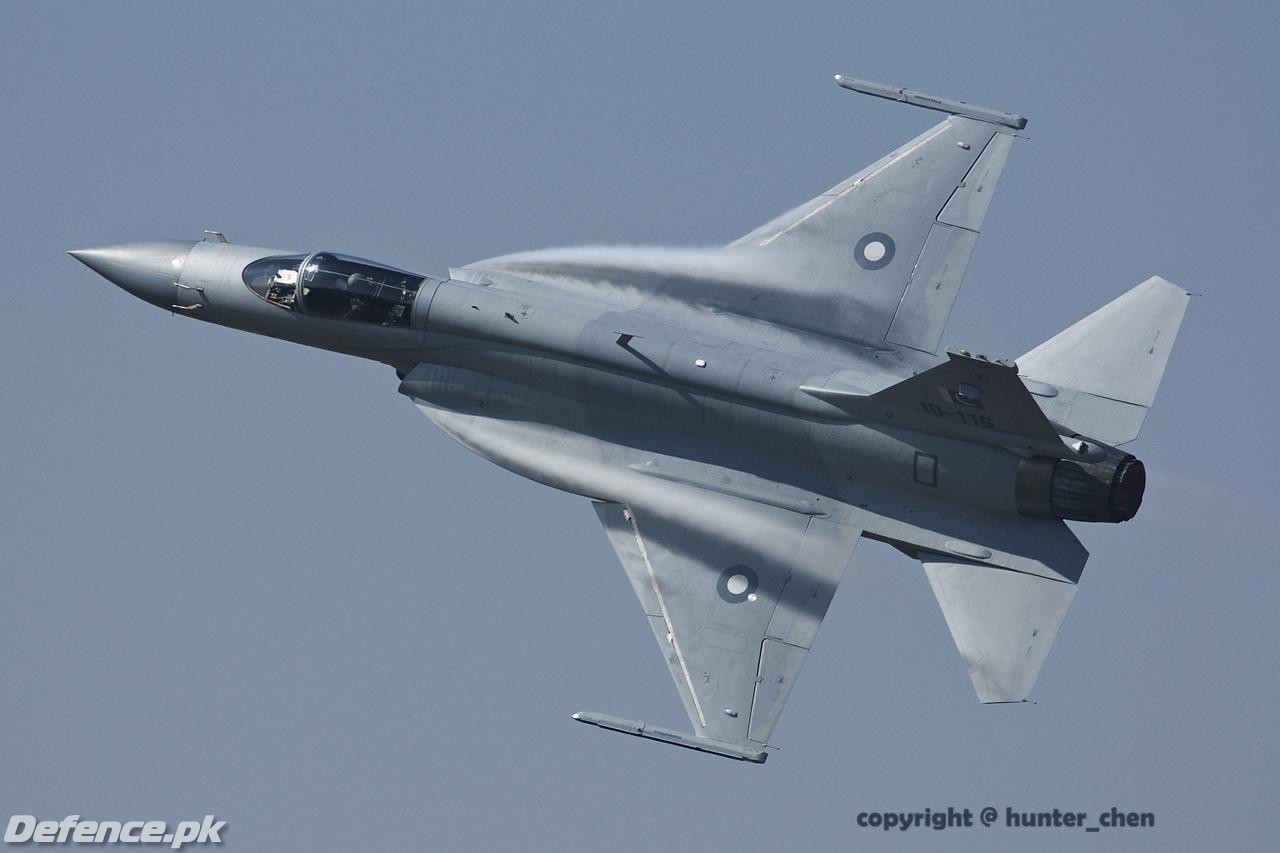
<point>1103,372</point>
<point>1004,622</point>
<point>641,729</point>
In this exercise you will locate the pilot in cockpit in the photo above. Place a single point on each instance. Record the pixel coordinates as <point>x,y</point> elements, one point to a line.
<point>357,309</point>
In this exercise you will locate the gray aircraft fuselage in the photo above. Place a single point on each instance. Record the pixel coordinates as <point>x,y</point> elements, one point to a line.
<point>683,386</point>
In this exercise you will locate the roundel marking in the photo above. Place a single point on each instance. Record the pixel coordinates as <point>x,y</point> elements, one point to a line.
<point>874,251</point>
<point>737,584</point>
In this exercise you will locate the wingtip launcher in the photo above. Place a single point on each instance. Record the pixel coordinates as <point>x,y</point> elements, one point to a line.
<point>675,738</point>
<point>930,102</point>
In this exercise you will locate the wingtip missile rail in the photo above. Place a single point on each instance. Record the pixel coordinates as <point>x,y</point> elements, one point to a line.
<point>637,728</point>
<point>930,102</point>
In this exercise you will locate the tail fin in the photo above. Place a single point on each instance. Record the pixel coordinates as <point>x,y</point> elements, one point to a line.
<point>1099,377</point>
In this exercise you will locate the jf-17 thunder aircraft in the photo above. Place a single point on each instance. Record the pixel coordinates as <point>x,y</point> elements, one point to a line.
<point>740,416</point>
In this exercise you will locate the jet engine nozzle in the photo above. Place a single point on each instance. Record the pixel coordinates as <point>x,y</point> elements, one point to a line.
<point>1108,489</point>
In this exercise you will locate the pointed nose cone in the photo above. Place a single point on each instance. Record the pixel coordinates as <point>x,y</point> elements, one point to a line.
<point>147,270</point>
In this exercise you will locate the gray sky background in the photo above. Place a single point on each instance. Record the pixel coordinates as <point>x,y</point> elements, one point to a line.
<point>244,578</point>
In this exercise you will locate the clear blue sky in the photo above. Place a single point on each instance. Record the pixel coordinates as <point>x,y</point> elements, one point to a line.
<point>244,578</point>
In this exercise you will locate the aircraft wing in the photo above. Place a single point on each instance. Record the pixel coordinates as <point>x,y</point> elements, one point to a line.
<point>734,592</point>
<point>877,258</point>
<point>884,252</point>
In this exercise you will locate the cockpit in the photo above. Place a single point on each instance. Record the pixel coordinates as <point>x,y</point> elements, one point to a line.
<point>340,287</point>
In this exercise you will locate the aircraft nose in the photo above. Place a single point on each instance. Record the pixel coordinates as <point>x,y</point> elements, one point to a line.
<point>147,270</point>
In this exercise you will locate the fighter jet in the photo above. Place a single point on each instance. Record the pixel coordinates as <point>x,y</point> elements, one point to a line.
<point>741,416</point>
